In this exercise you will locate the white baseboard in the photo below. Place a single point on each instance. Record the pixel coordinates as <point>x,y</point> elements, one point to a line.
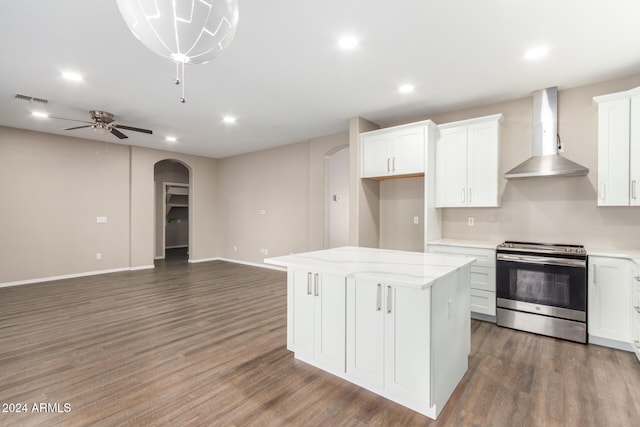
<point>141,267</point>
<point>237,261</point>
<point>61,277</point>
<point>254,264</point>
<point>606,342</point>
<point>159,257</point>
<point>195,261</point>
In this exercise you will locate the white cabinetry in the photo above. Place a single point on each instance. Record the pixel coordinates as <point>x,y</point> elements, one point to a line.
<point>399,339</point>
<point>609,298</point>
<point>393,152</point>
<point>619,148</point>
<point>316,317</point>
<point>635,309</point>
<point>394,322</point>
<point>482,280</point>
<point>388,338</point>
<point>467,162</point>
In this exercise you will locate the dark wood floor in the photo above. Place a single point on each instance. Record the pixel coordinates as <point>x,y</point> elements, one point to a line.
<point>204,344</point>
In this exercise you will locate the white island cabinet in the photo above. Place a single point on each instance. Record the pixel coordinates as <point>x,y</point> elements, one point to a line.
<point>396,323</point>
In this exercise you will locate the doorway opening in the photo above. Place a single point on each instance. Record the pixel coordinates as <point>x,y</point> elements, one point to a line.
<point>172,218</point>
<point>336,197</point>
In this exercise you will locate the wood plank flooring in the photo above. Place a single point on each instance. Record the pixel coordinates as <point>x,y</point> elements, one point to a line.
<point>205,345</point>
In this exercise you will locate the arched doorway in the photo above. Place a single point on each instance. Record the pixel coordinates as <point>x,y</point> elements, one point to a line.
<point>336,197</point>
<point>172,210</point>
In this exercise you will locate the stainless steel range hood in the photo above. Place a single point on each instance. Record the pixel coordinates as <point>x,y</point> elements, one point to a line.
<point>545,160</point>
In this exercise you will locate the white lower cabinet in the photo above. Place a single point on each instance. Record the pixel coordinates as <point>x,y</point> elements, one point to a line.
<point>482,282</point>
<point>609,298</point>
<point>388,338</point>
<point>316,318</point>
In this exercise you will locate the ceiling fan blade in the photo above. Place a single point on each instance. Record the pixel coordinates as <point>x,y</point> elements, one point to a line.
<point>133,129</point>
<point>78,127</point>
<point>71,120</point>
<point>119,134</point>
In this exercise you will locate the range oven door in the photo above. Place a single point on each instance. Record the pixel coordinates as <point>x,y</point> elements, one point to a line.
<point>547,285</point>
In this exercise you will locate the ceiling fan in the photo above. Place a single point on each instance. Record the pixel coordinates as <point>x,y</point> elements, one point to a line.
<point>102,122</point>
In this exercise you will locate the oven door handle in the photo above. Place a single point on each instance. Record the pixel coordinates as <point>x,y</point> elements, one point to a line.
<point>564,262</point>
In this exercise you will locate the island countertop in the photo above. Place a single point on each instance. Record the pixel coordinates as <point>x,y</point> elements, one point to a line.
<point>410,269</point>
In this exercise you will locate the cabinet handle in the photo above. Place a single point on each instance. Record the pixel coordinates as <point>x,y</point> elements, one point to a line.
<point>469,198</point>
<point>388,299</point>
<point>309,283</point>
<point>379,298</point>
<point>595,275</point>
<point>463,195</point>
<point>633,188</point>
<point>637,277</point>
<point>393,164</point>
<point>603,189</point>
<point>388,164</point>
<point>637,308</point>
<point>316,291</point>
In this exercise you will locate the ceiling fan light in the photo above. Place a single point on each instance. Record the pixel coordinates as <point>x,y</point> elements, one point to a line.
<point>101,128</point>
<point>188,32</point>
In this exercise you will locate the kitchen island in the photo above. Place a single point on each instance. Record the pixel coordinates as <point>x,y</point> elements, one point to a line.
<point>396,323</point>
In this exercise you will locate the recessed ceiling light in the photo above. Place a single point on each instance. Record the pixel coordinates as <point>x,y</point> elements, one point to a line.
<point>229,119</point>
<point>171,139</point>
<point>39,114</point>
<point>348,42</point>
<point>74,77</point>
<point>406,88</point>
<point>536,53</point>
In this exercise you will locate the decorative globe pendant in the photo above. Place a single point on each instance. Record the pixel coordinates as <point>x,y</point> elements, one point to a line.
<point>185,31</point>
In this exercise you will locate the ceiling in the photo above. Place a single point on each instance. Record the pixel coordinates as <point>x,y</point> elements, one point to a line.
<point>285,78</point>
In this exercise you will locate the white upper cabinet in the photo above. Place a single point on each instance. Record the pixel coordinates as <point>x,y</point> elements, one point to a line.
<point>468,162</point>
<point>393,152</point>
<point>619,148</point>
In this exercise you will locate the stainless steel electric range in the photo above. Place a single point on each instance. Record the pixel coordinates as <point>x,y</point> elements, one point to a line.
<point>542,288</point>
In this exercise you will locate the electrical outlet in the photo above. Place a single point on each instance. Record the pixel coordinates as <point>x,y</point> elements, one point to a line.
<point>235,248</point>
<point>98,256</point>
<point>471,221</point>
<point>263,212</point>
<point>101,219</point>
<point>266,251</point>
<point>416,220</point>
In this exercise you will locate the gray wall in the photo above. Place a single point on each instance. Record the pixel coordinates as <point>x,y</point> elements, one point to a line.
<point>557,210</point>
<point>286,183</point>
<point>54,187</point>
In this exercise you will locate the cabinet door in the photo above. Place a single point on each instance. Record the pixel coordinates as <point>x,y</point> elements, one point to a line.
<point>365,332</point>
<point>451,167</point>
<point>609,295</point>
<point>407,331</point>
<point>482,164</point>
<point>329,334</point>
<point>376,156</point>
<point>613,153</point>
<point>634,152</point>
<point>300,322</point>
<point>408,152</point>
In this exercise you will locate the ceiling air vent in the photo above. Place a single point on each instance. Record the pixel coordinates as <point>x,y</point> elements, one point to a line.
<point>31,99</point>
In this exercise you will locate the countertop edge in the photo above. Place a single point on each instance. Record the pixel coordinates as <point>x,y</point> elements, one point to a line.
<point>398,278</point>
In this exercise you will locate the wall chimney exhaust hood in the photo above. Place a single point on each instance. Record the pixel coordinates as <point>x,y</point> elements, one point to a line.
<point>545,160</point>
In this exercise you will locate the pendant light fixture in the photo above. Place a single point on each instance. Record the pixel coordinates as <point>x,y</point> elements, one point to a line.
<point>184,31</point>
